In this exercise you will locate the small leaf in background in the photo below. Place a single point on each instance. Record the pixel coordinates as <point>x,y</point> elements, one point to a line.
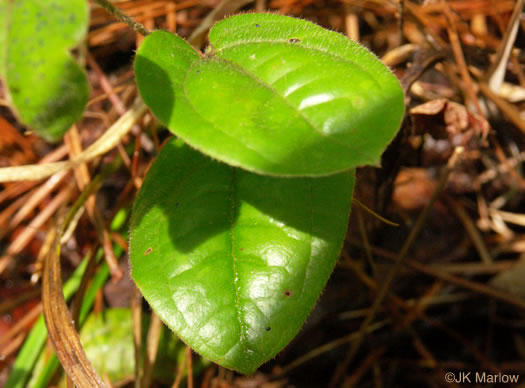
<point>233,261</point>
<point>45,85</point>
<point>511,280</point>
<point>107,339</point>
<point>443,118</point>
<point>274,95</point>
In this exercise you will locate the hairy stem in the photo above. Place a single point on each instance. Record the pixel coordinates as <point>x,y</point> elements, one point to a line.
<point>138,27</point>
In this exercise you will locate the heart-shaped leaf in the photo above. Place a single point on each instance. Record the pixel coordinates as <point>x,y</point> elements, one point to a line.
<point>47,88</point>
<point>274,95</point>
<point>233,261</point>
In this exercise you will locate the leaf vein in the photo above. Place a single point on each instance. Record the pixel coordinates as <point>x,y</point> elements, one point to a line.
<point>298,112</point>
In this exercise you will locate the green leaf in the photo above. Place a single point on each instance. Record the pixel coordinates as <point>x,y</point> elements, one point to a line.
<point>3,35</point>
<point>274,95</point>
<point>113,329</point>
<point>233,261</point>
<point>47,88</point>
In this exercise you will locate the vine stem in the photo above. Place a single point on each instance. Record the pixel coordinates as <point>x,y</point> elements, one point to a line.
<point>138,27</point>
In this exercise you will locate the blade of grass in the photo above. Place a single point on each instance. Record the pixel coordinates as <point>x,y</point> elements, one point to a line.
<point>35,341</point>
<point>48,371</point>
<point>52,364</point>
<point>60,328</point>
<point>34,344</point>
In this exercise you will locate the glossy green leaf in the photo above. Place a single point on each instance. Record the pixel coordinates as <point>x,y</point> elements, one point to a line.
<point>274,95</point>
<point>233,261</point>
<point>47,88</point>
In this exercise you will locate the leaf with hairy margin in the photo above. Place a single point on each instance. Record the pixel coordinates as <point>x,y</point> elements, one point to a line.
<point>274,95</point>
<point>233,261</point>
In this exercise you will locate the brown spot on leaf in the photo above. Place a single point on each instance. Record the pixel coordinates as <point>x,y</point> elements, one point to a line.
<point>294,40</point>
<point>148,251</point>
<point>288,293</point>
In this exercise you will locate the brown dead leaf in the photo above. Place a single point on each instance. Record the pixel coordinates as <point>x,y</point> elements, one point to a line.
<point>413,188</point>
<point>442,118</point>
<point>61,328</point>
<point>15,148</point>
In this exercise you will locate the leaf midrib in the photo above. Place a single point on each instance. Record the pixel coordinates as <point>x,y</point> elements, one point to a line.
<point>204,118</point>
<point>233,211</point>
